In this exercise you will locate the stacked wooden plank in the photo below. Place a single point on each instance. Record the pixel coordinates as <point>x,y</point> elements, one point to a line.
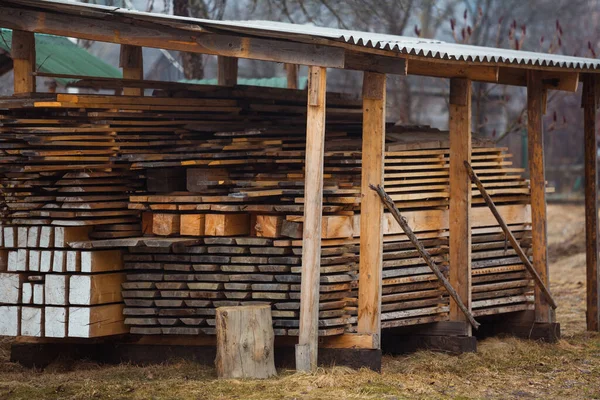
<point>61,182</point>
<point>264,204</point>
<point>213,180</point>
<point>50,290</point>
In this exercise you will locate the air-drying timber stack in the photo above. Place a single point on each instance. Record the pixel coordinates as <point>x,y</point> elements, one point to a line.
<point>61,183</point>
<point>214,180</point>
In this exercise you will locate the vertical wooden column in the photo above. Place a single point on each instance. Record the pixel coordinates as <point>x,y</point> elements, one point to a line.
<point>535,142</point>
<point>589,102</point>
<point>228,71</point>
<point>371,208</point>
<point>23,55</point>
<point>460,197</point>
<point>306,350</point>
<point>132,63</point>
<point>292,76</point>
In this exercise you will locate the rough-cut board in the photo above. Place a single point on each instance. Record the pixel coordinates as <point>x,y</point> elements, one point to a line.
<point>227,224</point>
<point>165,224</point>
<point>101,261</point>
<point>192,225</point>
<point>95,321</point>
<point>11,320</point>
<point>95,289</point>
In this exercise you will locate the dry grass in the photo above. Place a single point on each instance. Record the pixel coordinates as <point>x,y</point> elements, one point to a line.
<point>502,368</point>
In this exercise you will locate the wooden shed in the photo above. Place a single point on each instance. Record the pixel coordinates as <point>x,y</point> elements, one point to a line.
<point>128,219</point>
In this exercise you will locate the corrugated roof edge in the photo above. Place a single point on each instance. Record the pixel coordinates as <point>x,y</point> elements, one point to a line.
<point>417,47</point>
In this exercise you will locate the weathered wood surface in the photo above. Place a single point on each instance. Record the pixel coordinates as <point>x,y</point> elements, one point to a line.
<point>245,342</point>
<point>132,63</point>
<point>222,162</point>
<point>306,351</point>
<point>423,253</point>
<point>371,224</point>
<point>227,71</point>
<point>537,178</point>
<point>460,196</point>
<point>513,241</point>
<point>590,104</point>
<point>23,55</point>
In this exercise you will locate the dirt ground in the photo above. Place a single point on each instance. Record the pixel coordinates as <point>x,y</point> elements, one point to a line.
<point>503,368</point>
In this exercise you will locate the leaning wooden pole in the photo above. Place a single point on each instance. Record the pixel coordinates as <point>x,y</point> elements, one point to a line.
<point>589,102</point>
<point>389,203</point>
<point>306,350</point>
<point>511,238</point>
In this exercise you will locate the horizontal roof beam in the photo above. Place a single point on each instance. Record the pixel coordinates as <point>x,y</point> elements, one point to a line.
<point>375,63</point>
<point>149,35</point>
<point>552,80</point>
<point>478,73</point>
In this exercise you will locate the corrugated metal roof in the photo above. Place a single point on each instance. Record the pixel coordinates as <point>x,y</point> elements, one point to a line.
<point>427,48</point>
<point>418,47</point>
<point>58,55</point>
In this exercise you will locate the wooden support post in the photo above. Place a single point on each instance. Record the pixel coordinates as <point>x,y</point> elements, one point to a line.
<point>535,107</point>
<point>228,71</point>
<point>371,209</point>
<point>306,350</point>
<point>23,55</point>
<point>292,76</point>
<point>132,62</point>
<point>460,197</point>
<point>589,103</point>
<point>245,342</point>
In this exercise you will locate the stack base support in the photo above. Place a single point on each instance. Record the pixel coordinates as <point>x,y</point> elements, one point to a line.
<point>445,336</point>
<point>519,324</point>
<point>41,353</point>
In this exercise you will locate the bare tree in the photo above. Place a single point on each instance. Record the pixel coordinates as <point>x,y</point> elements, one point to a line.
<point>193,63</point>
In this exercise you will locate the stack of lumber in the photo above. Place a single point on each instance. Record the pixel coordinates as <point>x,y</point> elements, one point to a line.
<point>73,161</point>
<point>204,192</point>
<point>176,290</point>
<point>257,214</point>
<point>61,182</point>
<point>50,290</point>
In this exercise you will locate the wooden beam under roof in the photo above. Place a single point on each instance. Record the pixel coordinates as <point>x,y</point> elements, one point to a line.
<point>143,34</point>
<point>479,73</point>
<point>552,80</point>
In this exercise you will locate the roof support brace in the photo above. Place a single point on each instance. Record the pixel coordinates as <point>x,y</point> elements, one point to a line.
<point>308,342</point>
<point>460,198</point>
<point>228,71</point>
<point>23,55</point>
<point>589,102</point>
<point>535,111</point>
<point>371,208</point>
<point>132,63</point>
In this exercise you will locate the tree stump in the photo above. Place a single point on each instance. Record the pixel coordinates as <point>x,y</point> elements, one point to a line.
<point>245,342</point>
